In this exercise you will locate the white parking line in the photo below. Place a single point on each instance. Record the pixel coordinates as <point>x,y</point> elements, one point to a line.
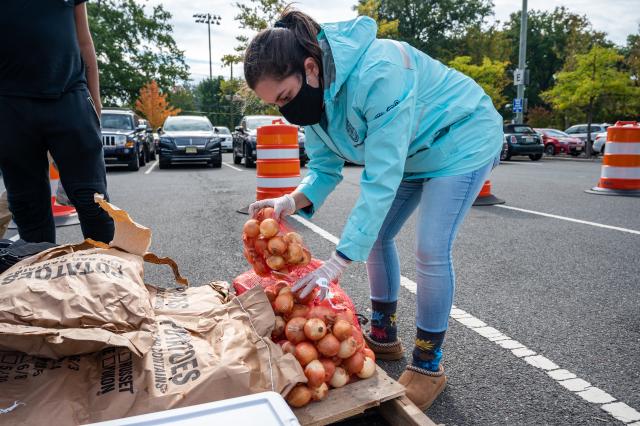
<point>569,219</point>
<point>232,167</point>
<point>565,378</point>
<point>155,163</point>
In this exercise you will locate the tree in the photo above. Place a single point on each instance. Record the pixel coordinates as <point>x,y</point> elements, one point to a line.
<point>153,105</point>
<point>386,29</point>
<point>252,104</point>
<point>429,25</point>
<point>134,45</point>
<point>182,97</point>
<point>490,75</point>
<point>594,79</point>
<point>256,15</point>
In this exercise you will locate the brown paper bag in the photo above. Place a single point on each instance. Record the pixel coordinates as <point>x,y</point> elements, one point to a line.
<point>77,299</point>
<point>231,355</point>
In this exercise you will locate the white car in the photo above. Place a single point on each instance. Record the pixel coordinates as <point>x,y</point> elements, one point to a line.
<point>227,139</point>
<point>598,143</point>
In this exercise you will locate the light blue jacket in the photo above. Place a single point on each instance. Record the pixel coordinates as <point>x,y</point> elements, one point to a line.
<point>398,112</point>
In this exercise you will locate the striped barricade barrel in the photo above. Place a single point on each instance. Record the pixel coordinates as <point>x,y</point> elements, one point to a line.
<point>620,173</point>
<point>278,165</point>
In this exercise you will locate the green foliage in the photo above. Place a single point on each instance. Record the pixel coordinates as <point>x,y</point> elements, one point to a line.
<point>491,75</point>
<point>182,97</point>
<point>386,29</point>
<point>595,79</point>
<point>134,45</point>
<point>538,116</point>
<point>256,15</point>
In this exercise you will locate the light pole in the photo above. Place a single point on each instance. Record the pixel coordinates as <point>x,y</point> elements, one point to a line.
<point>522,63</point>
<point>207,18</point>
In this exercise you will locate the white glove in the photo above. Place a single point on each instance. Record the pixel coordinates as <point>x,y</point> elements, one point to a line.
<point>282,206</point>
<point>321,277</point>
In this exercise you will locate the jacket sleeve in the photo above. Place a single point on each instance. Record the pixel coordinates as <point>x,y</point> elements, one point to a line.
<point>324,173</point>
<point>387,104</point>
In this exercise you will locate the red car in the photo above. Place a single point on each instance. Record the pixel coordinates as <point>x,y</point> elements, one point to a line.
<point>556,142</point>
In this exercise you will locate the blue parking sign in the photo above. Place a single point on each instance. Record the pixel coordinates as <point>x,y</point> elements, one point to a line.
<point>517,105</point>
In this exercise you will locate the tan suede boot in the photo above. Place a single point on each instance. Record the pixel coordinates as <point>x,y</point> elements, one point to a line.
<point>386,351</point>
<point>423,386</point>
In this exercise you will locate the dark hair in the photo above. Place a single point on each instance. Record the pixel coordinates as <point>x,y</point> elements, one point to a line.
<point>280,51</point>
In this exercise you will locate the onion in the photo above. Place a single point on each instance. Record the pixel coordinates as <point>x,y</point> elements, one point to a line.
<point>354,363</point>
<point>328,345</point>
<point>266,213</point>
<point>271,295</point>
<point>337,360</point>
<point>306,258</point>
<point>294,253</point>
<point>299,311</point>
<point>315,373</point>
<point>315,329</point>
<point>340,378</point>
<point>342,330</point>
<point>368,368</point>
<point>324,313</point>
<point>305,353</point>
<point>276,245</point>
<point>329,368</point>
<point>284,303</point>
<point>248,256</point>
<point>299,396</point>
<point>346,315</point>
<point>308,298</point>
<point>261,246</point>
<point>278,328</point>
<point>288,347</point>
<point>347,348</point>
<point>295,330</point>
<point>275,262</point>
<point>251,228</point>
<point>320,393</point>
<point>269,228</point>
<point>368,353</point>
<point>293,237</point>
<point>260,267</point>
<point>357,334</point>
<point>279,285</point>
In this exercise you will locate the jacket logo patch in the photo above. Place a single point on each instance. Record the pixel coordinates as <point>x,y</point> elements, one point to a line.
<point>353,134</point>
<point>389,108</point>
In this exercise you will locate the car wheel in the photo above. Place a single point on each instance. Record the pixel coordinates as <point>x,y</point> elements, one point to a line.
<point>535,157</point>
<point>236,159</point>
<point>575,154</point>
<point>142,158</point>
<point>602,149</point>
<point>550,149</point>
<point>163,164</point>
<point>134,164</point>
<point>152,156</point>
<point>216,162</point>
<point>248,161</point>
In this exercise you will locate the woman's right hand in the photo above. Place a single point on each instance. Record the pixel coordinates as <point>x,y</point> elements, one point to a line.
<point>282,206</point>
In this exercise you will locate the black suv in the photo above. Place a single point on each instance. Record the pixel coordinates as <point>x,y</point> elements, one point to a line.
<point>244,139</point>
<point>126,139</point>
<point>522,140</point>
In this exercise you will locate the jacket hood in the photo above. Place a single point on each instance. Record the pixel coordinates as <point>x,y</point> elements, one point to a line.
<point>343,44</point>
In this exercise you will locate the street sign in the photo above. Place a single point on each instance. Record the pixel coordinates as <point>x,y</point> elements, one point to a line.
<point>518,77</point>
<point>517,105</point>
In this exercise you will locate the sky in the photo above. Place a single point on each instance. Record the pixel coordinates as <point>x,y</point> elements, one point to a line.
<point>618,19</point>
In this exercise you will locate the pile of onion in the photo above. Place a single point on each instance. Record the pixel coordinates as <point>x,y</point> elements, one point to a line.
<point>326,343</point>
<point>267,248</point>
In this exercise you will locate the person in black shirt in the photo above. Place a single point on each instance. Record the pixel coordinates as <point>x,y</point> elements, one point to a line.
<point>50,101</point>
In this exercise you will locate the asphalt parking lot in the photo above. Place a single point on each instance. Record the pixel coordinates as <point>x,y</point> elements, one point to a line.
<point>546,328</point>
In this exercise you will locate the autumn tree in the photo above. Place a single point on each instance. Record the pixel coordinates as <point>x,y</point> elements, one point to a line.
<point>490,75</point>
<point>153,105</point>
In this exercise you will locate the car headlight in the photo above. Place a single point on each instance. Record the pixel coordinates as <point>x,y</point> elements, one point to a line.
<point>130,143</point>
<point>166,141</point>
<point>121,139</point>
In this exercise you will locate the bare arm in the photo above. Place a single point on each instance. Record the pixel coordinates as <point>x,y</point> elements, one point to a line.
<point>88,53</point>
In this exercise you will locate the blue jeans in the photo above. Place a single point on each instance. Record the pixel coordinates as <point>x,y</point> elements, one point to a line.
<point>444,202</point>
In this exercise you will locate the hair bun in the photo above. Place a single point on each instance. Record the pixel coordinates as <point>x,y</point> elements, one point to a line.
<point>280,24</point>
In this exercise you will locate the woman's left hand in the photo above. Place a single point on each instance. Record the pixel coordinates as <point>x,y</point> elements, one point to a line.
<point>321,277</point>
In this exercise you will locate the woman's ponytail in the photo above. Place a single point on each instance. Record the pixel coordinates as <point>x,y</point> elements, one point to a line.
<point>280,51</point>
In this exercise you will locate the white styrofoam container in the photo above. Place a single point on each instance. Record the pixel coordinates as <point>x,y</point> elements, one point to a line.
<point>265,409</point>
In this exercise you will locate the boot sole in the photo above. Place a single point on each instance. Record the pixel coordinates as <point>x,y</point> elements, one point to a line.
<point>428,404</point>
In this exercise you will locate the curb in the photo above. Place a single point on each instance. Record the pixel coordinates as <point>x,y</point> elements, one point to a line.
<point>597,159</point>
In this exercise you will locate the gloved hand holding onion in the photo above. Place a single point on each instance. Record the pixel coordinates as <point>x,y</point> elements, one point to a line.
<point>327,344</point>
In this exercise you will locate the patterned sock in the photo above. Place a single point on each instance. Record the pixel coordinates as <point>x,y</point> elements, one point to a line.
<point>384,327</point>
<point>428,350</point>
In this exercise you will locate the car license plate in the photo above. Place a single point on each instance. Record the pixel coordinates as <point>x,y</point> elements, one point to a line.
<point>578,148</point>
<point>528,139</point>
<point>191,150</point>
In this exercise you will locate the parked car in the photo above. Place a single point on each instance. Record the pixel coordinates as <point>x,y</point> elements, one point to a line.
<point>523,140</point>
<point>599,143</point>
<point>126,139</point>
<point>580,130</point>
<point>245,135</point>
<point>189,139</point>
<point>505,149</point>
<point>557,142</point>
<point>225,136</point>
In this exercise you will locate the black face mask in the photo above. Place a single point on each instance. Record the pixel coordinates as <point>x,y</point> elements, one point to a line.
<point>305,108</point>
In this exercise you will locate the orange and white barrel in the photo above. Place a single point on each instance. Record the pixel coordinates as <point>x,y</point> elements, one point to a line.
<point>620,173</point>
<point>278,160</point>
<point>486,198</point>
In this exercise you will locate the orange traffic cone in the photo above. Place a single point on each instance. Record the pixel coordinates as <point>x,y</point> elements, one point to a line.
<point>486,198</point>
<point>62,215</point>
<point>620,173</point>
